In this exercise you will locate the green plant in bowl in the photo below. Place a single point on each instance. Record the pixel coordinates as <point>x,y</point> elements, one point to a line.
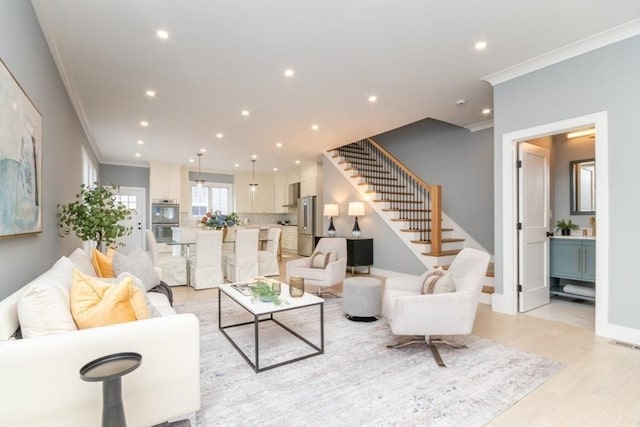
<point>565,227</point>
<point>264,292</point>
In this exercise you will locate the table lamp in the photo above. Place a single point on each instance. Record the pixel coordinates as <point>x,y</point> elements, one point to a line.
<point>331,210</point>
<point>356,209</point>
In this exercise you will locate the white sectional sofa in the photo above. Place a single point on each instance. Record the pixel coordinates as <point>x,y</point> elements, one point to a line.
<point>40,383</point>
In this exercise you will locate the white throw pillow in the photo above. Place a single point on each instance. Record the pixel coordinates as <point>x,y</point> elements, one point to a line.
<point>437,281</point>
<point>139,265</point>
<point>82,261</point>
<point>44,308</point>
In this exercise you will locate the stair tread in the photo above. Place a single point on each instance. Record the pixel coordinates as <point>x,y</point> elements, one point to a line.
<point>418,230</point>
<point>405,210</point>
<point>383,185</point>
<point>384,178</point>
<point>443,253</point>
<point>366,170</point>
<point>399,193</point>
<point>397,201</point>
<point>444,240</point>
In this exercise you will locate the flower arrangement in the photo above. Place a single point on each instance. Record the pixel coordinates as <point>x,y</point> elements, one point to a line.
<point>217,221</point>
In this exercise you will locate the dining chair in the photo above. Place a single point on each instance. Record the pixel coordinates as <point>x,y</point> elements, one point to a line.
<point>228,246</point>
<point>242,265</point>
<point>206,263</point>
<point>173,269</point>
<point>268,264</point>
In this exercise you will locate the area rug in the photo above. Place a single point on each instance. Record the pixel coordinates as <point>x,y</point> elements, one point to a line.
<point>358,381</point>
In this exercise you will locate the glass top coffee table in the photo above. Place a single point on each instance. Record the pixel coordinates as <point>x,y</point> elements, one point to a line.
<point>264,312</point>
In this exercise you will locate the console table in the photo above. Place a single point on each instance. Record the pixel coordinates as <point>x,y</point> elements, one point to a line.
<point>359,254</point>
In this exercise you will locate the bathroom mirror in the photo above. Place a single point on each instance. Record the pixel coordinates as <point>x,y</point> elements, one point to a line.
<point>583,187</point>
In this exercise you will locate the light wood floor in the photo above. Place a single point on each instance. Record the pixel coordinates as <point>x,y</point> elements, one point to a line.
<point>598,386</point>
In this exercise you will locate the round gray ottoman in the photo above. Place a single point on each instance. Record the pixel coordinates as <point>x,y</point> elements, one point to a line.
<point>362,298</point>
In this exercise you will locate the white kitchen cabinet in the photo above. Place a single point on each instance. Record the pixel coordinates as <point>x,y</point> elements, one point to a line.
<point>308,187</point>
<point>279,198</point>
<point>290,238</point>
<point>164,181</point>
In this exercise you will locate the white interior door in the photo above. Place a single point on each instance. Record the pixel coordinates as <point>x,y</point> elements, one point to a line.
<point>135,199</point>
<point>533,212</point>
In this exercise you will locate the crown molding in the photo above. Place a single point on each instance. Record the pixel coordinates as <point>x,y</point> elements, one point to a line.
<point>39,8</point>
<point>596,41</point>
<point>474,127</point>
<point>128,164</point>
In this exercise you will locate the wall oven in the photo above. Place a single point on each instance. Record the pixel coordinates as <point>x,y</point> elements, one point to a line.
<point>164,216</point>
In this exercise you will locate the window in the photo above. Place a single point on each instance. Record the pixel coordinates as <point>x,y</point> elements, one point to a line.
<point>210,198</point>
<point>89,169</point>
<point>129,201</point>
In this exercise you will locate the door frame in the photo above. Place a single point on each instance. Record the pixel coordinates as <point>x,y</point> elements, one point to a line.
<point>507,301</point>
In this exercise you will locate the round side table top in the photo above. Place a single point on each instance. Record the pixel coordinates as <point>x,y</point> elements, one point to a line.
<point>110,367</point>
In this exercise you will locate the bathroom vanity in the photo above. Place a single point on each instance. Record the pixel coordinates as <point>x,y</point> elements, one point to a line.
<point>572,261</point>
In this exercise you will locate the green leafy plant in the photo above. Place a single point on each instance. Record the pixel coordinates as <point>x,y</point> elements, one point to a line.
<point>265,292</point>
<point>94,216</point>
<point>565,227</point>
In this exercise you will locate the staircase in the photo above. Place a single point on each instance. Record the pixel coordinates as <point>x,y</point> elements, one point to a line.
<point>411,207</point>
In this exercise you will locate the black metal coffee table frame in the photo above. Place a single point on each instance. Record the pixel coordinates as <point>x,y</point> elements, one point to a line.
<point>256,322</point>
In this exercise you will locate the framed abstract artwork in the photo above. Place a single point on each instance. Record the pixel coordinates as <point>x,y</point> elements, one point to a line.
<point>20,159</point>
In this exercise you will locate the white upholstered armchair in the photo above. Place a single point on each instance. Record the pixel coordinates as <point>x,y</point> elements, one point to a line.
<point>173,268</point>
<point>409,312</point>
<point>331,275</point>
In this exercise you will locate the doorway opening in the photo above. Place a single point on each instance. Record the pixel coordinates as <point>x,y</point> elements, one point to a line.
<point>507,302</point>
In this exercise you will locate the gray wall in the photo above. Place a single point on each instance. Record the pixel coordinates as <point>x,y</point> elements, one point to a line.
<point>459,160</point>
<point>602,80</point>
<point>389,252</point>
<point>24,51</point>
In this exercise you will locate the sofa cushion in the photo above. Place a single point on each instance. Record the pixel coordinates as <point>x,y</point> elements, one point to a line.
<point>309,273</point>
<point>82,261</point>
<point>43,308</point>
<point>138,264</point>
<point>103,264</point>
<point>97,303</point>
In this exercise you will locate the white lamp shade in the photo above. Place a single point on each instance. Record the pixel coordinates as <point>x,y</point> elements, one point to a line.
<point>356,208</point>
<point>331,210</point>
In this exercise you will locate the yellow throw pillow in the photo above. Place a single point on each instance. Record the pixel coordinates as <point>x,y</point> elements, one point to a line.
<point>103,264</point>
<point>96,303</point>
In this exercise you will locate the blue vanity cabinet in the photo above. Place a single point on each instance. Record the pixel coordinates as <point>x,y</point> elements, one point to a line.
<point>572,259</point>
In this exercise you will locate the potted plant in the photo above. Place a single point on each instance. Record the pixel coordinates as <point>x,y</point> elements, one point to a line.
<point>94,216</point>
<point>565,227</point>
<point>265,292</point>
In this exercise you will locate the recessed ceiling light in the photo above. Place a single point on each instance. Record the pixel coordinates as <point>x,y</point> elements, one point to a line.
<point>203,150</point>
<point>289,72</point>
<point>190,160</point>
<point>138,154</point>
<point>245,113</point>
<point>315,127</point>
<point>254,156</point>
<point>236,165</point>
<point>140,142</point>
<point>373,98</point>
<point>144,124</point>
<point>486,111</point>
<point>297,162</point>
<point>480,45</point>
<point>151,93</point>
<point>279,144</point>
<point>219,135</point>
<point>461,101</point>
<point>275,169</point>
<point>162,34</point>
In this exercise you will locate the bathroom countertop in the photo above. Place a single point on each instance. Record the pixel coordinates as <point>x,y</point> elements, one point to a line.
<point>577,236</point>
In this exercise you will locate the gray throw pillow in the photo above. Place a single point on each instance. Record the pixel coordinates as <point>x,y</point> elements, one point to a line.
<point>138,264</point>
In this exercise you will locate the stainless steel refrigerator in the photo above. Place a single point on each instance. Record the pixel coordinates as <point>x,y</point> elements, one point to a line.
<point>306,225</point>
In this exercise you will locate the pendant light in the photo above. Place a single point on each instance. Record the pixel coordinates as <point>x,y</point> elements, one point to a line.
<point>199,181</point>
<point>253,186</point>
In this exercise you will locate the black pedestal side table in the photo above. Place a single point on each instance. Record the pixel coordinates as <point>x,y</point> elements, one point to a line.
<point>110,370</point>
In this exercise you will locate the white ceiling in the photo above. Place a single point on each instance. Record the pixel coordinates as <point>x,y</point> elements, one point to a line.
<point>418,57</point>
